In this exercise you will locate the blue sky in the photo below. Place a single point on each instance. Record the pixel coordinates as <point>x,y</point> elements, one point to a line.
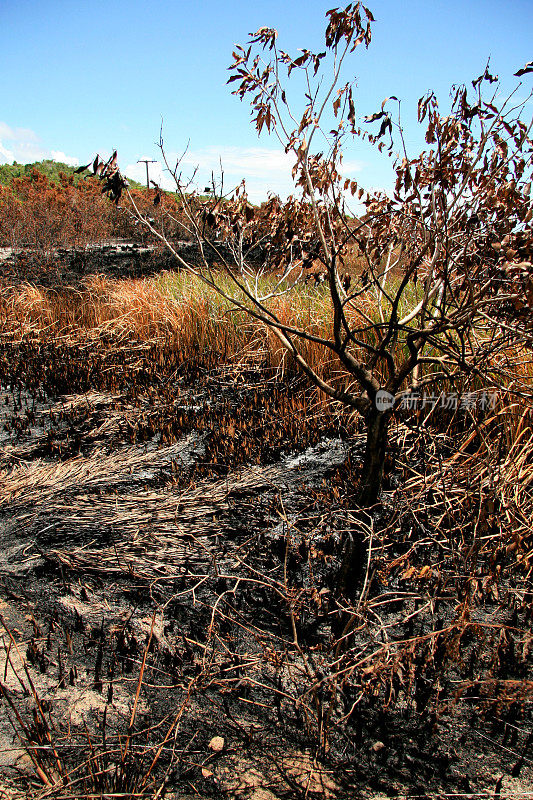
<point>85,77</point>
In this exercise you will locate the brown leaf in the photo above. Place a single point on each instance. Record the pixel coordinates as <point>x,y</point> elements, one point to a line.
<point>525,69</point>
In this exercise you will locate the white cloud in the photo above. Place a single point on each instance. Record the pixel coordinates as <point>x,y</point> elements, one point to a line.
<point>25,146</point>
<point>17,134</point>
<point>71,161</point>
<point>264,170</point>
<point>5,154</point>
<point>5,131</point>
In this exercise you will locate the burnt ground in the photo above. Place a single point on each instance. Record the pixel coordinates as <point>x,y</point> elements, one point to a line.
<point>168,577</point>
<point>116,258</point>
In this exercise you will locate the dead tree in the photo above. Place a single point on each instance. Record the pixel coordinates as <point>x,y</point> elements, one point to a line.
<point>443,285</point>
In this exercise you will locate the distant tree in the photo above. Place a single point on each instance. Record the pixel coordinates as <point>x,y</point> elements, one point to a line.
<point>444,287</point>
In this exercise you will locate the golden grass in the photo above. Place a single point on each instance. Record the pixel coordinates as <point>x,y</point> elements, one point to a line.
<point>176,307</point>
<point>178,311</point>
<point>174,310</point>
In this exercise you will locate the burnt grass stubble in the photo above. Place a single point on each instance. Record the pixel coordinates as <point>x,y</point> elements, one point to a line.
<point>209,641</point>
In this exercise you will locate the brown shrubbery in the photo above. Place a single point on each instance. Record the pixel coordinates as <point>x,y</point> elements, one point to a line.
<point>42,215</point>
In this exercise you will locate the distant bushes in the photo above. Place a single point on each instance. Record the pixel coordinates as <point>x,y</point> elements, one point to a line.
<point>46,211</point>
<point>51,169</point>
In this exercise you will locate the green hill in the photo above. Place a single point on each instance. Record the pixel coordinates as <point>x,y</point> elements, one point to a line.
<point>52,170</point>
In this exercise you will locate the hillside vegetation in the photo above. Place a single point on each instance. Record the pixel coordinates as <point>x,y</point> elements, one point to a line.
<point>46,205</point>
<point>54,170</point>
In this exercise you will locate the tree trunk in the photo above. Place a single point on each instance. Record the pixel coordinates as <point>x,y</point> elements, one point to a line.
<point>353,564</point>
<point>369,489</point>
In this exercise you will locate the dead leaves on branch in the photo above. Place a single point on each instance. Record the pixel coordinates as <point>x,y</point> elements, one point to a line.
<point>486,76</point>
<point>260,80</point>
<point>108,172</point>
<point>525,70</point>
<point>463,195</point>
<point>351,24</point>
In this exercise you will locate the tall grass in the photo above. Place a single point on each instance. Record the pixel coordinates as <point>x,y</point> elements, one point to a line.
<point>173,309</point>
<point>178,310</point>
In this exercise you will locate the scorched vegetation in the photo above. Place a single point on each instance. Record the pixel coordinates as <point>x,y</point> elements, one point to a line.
<point>266,516</point>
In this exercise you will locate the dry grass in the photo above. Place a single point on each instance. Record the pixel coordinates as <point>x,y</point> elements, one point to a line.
<point>39,482</point>
<point>177,310</point>
<point>149,534</point>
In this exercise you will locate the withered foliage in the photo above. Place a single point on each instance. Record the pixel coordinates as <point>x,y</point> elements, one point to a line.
<point>38,217</point>
<point>361,630</point>
<point>428,286</point>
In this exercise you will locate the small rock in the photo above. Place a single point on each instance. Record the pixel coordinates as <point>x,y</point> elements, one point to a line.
<point>377,747</point>
<point>216,744</point>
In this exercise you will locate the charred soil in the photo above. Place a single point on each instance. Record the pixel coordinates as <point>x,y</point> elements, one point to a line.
<point>170,620</point>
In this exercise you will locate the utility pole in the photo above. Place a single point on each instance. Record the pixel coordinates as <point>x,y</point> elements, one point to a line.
<point>146,161</point>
